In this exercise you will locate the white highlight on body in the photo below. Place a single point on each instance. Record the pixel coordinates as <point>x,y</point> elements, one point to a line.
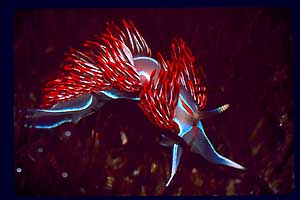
<point>146,67</point>
<point>146,58</point>
<point>145,74</point>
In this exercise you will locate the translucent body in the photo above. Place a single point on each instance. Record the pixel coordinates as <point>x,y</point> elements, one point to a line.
<point>186,113</point>
<point>118,64</point>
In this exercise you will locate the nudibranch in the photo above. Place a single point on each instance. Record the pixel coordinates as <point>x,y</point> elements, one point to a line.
<point>119,64</point>
<point>175,101</point>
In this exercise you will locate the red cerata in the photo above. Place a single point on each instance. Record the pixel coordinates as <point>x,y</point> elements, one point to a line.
<point>119,64</point>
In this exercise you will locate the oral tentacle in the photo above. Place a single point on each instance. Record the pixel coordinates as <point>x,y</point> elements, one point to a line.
<point>204,114</point>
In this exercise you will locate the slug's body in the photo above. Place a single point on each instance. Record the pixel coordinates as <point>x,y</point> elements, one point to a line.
<point>119,64</point>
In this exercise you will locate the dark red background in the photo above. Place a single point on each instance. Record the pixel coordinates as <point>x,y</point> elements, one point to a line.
<point>247,55</point>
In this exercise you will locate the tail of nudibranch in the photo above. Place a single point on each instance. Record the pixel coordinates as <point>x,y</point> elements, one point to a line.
<point>103,69</point>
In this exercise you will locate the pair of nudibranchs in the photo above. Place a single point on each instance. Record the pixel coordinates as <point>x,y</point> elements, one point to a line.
<point>118,64</point>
